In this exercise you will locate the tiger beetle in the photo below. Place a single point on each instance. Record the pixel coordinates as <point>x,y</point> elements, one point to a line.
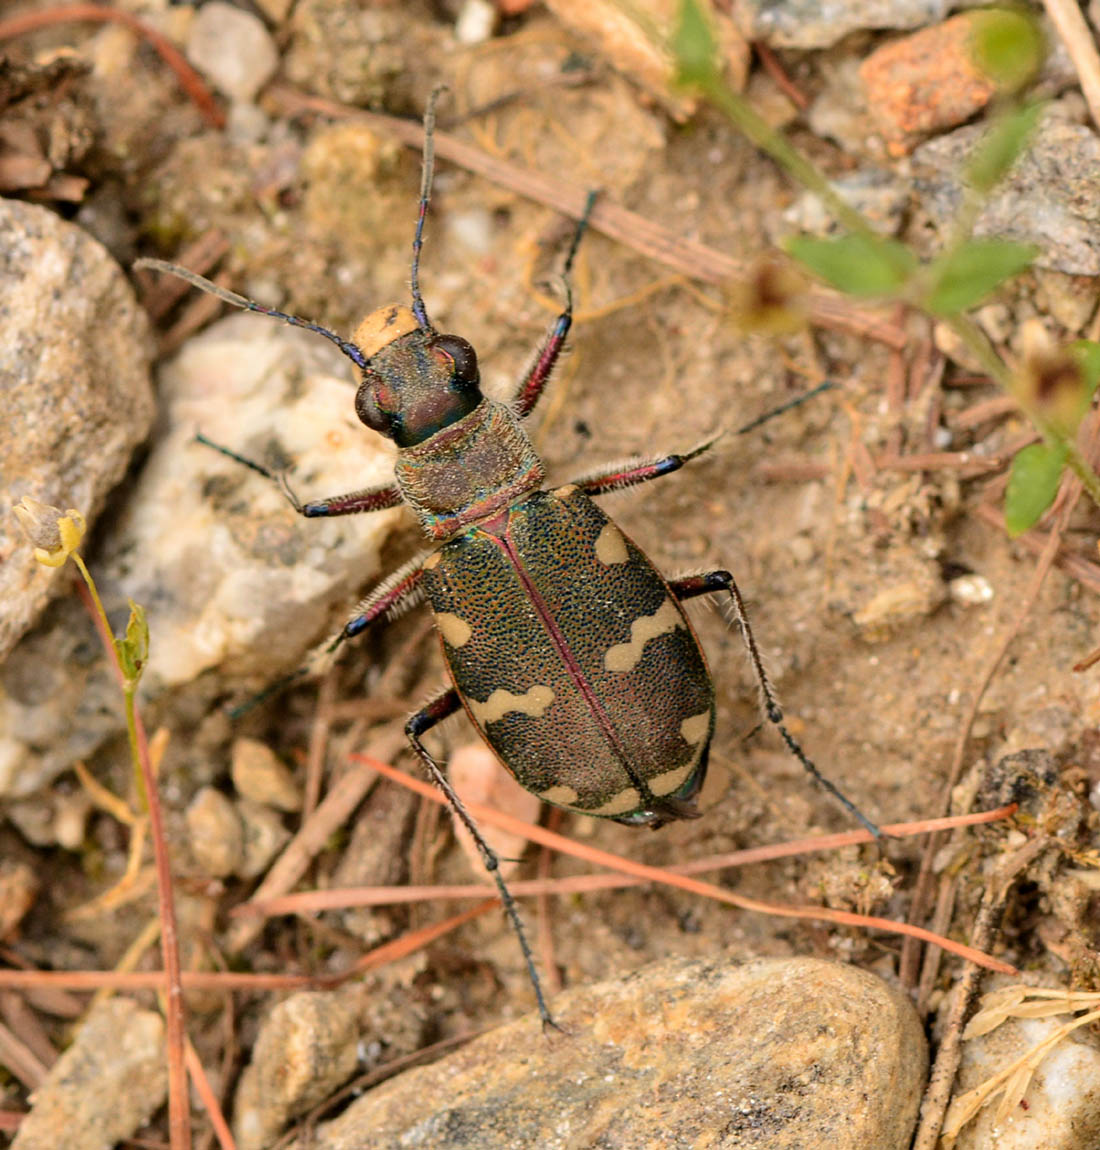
<point>570,653</point>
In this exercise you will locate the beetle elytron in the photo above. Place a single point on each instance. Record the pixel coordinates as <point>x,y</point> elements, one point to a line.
<point>570,653</point>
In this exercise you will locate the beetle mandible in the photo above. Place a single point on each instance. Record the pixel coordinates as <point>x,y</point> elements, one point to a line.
<point>571,654</point>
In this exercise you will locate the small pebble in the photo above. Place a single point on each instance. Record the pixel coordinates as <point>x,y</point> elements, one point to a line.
<point>812,24</point>
<point>232,577</point>
<point>970,590</point>
<point>75,370</point>
<point>18,890</point>
<point>1049,199</point>
<point>305,1051</point>
<point>951,345</point>
<point>216,835</point>
<point>477,20</point>
<point>616,33</point>
<point>260,775</point>
<point>1071,300</point>
<point>246,124</point>
<point>233,49</point>
<point>71,812</point>
<point>1061,1106</point>
<point>920,84</point>
<point>264,837</point>
<point>108,1083</point>
<point>879,196</point>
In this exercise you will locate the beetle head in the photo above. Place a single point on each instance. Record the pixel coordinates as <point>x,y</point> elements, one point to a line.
<point>416,381</point>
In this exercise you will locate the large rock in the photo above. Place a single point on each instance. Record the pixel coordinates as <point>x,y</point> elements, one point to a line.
<point>74,360</point>
<point>779,1053</point>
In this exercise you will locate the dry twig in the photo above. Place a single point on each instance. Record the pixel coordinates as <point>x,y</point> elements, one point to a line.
<point>1067,17</point>
<point>646,237</point>
<point>666,878</point>
<point>189,79</point>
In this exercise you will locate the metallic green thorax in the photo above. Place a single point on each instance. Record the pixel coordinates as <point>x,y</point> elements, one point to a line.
<point>469,471</point>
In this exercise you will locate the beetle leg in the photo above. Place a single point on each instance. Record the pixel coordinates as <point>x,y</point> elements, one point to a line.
<point>367,499</point>
<point>435,712</point>
<point>394,595</point>
<point>717,581</point>
<point>530,390</point>
<point>635,471</point>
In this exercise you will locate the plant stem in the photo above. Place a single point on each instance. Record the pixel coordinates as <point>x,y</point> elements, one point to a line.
<point>128,689</point>
<point>769,140</point>
<point>179,1122</point>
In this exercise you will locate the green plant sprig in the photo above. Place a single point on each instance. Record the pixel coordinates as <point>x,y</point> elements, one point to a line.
<point>56,535</point>
<point>1055,391</point>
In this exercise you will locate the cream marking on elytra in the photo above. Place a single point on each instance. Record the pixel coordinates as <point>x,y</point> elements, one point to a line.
<point>625,656</point>
<point>611,546</point>
<point>453,628</point>
<point>672,780</point>
<point>433,561</point>
<point>560,794</point>
<point>696,728</point>
<point>623,803</point>
<point>501,702</point>
<point>566,491</point>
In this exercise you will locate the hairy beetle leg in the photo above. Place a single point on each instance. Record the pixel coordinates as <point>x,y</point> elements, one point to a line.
<point>440,708</point>
<point>530,390</point>
<point>715,582</point>
<point>354,502</point>
<point>631,473</point>
<point>390,598</point>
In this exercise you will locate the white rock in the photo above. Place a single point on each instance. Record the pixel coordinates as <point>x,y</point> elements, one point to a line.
<point>1061,1108</point>
<point>232,49</point>
<point>231,575</point>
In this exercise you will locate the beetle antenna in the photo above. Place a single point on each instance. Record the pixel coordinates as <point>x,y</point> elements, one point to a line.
<point>426,171</point>
<point>582,227</point>
<point>798,400</point>
<point>226,296</point>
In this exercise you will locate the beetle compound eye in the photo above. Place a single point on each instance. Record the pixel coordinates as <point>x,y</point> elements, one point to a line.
<point>462,356</point>
<point>375,406</point>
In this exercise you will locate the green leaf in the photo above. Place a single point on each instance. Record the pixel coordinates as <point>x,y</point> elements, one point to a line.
<point>856,264</point>
<point>133,650</point>
<point>964,277</point>
<point>1001,146</point>
<point>1007,45</point>
<point>1087,354</point>
<point>1032,485</point>
<point>693,45</point>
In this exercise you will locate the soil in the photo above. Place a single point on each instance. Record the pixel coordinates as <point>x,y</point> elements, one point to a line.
<point>849,561</point>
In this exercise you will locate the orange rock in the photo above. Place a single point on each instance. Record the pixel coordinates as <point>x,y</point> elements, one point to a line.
<point>925,82</point>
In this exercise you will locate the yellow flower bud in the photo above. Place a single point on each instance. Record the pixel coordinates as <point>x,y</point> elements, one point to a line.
<point>54,534</point>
